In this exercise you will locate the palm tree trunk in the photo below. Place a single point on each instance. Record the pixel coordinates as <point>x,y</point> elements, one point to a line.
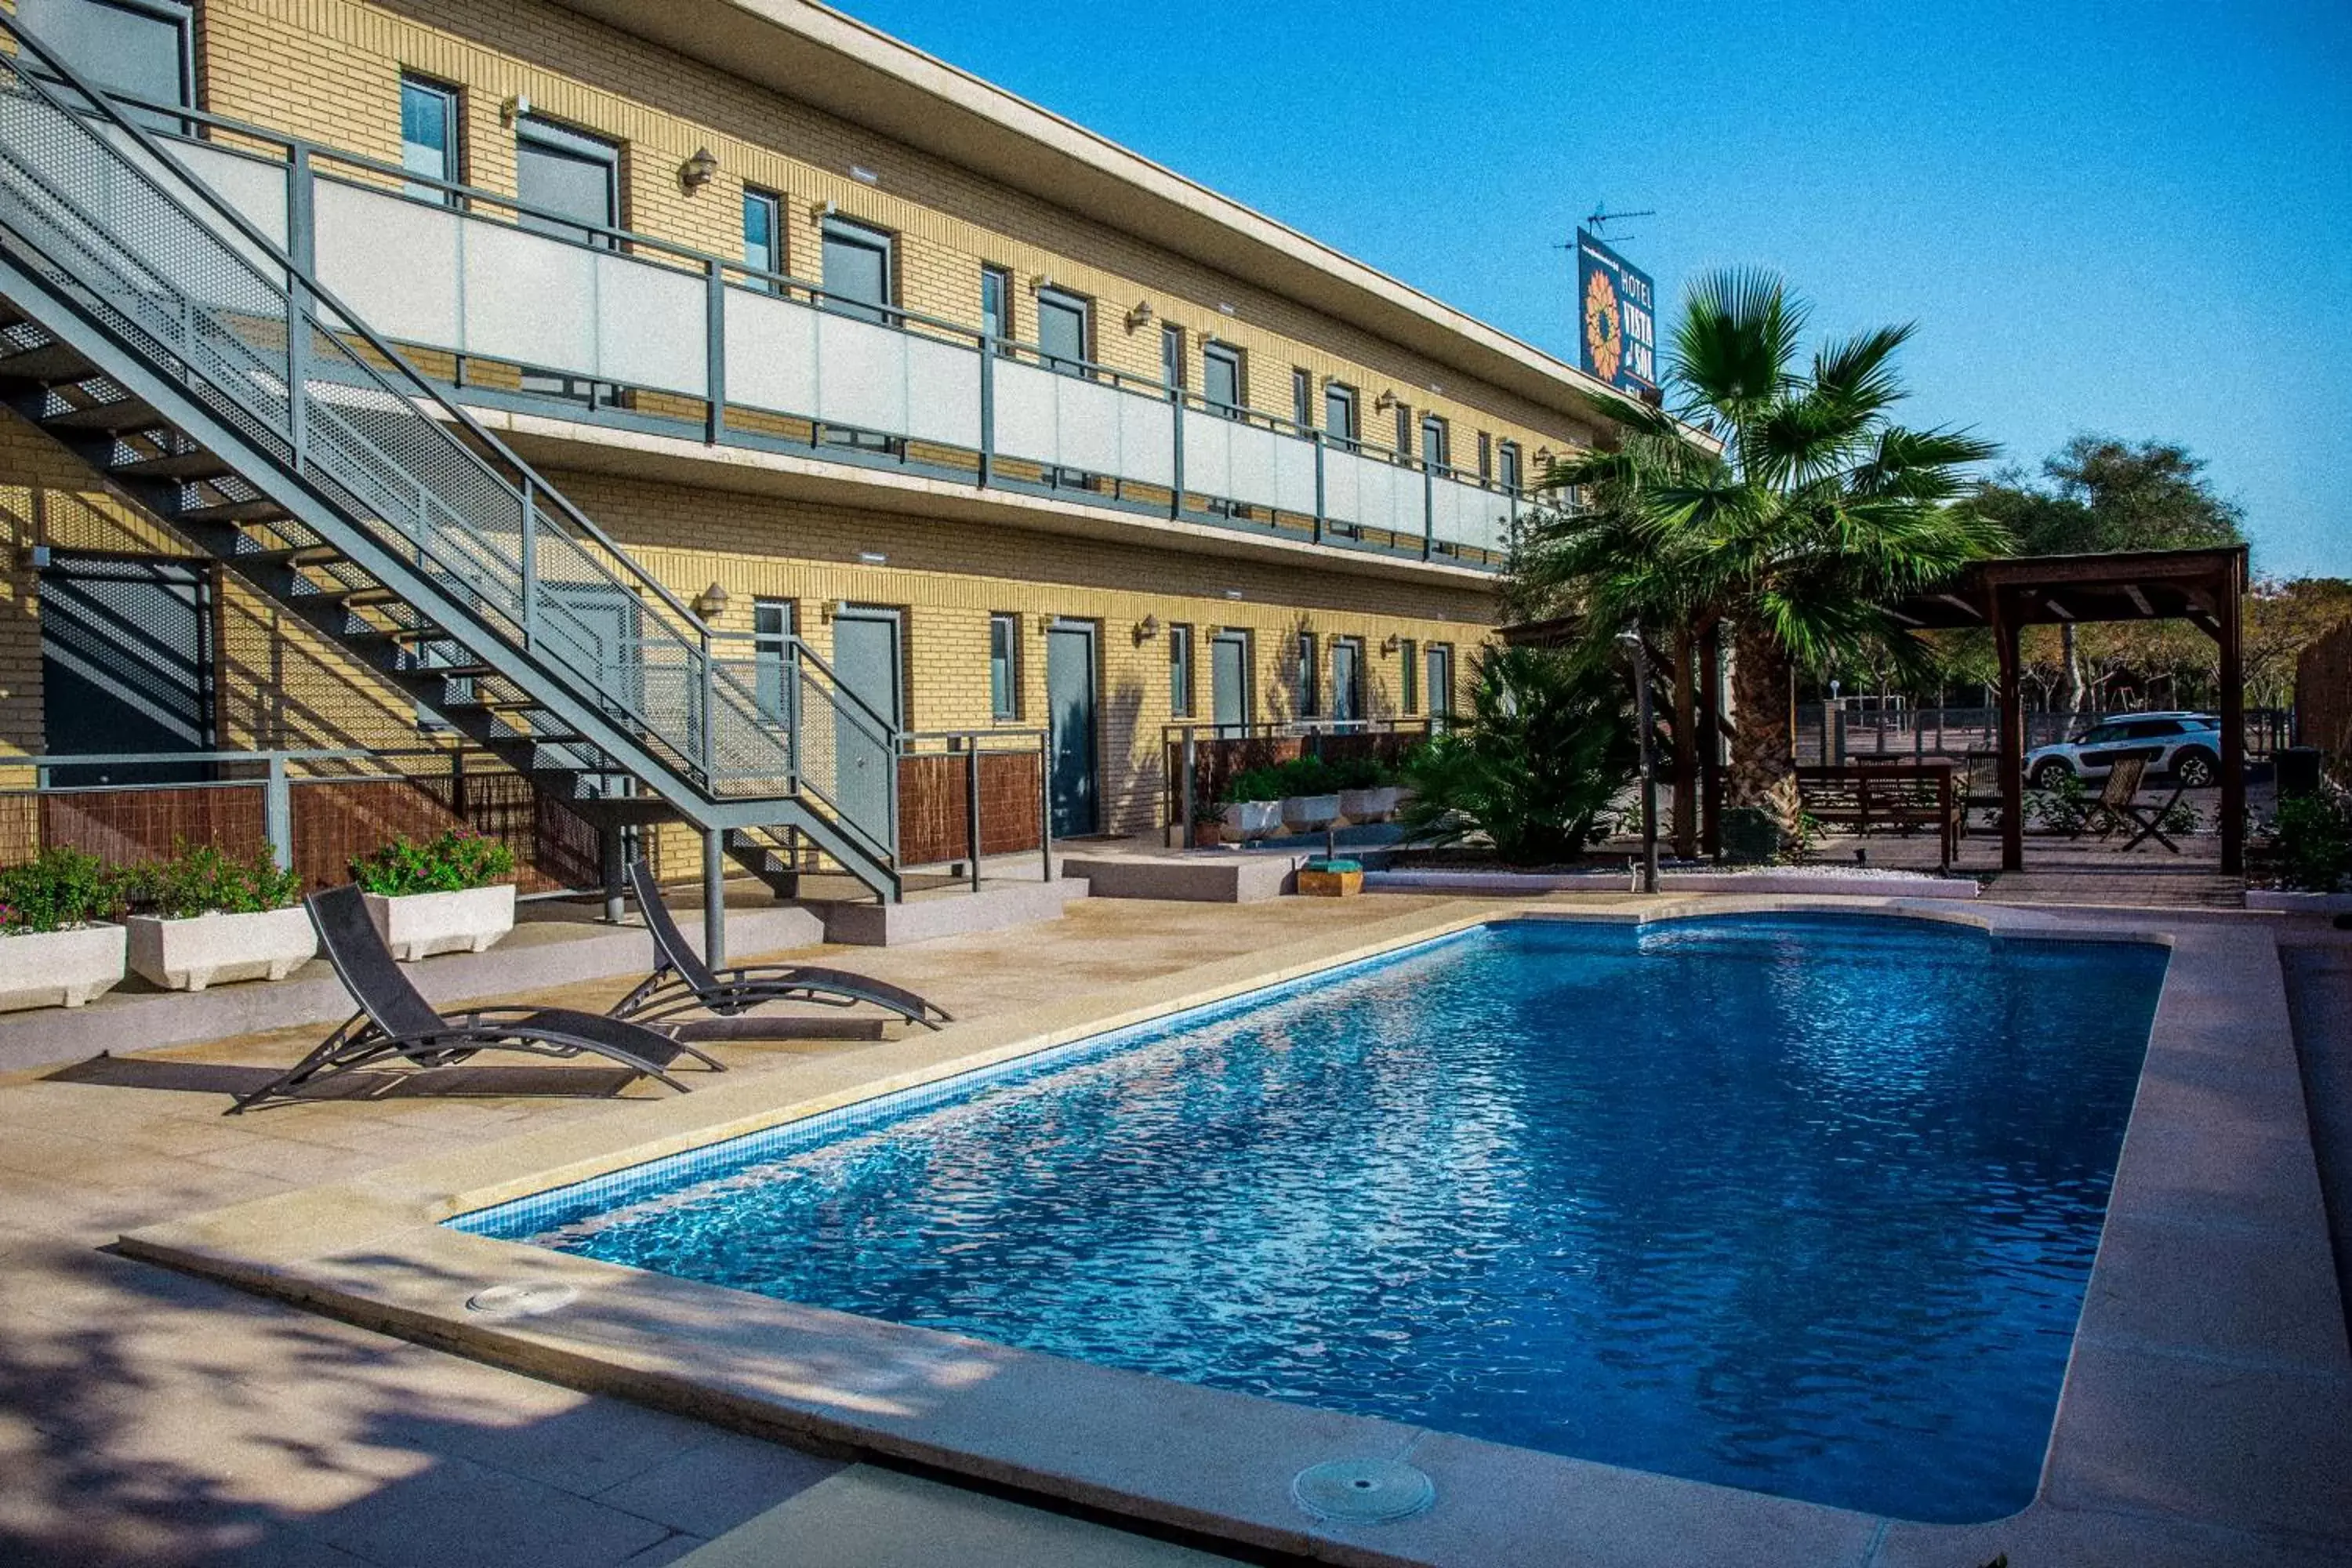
<point>1763,767</point>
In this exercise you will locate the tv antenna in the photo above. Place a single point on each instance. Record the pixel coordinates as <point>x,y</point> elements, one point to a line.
<point>1601,217</point>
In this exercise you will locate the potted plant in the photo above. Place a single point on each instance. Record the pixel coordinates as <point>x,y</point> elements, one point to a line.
<point>1252,803</point>
<point>1367,790</point>
<point>1208,830</point>
<point>1310,794</point>
<point>55,948</point>
<point>208,917</point>
<point>453,893</point>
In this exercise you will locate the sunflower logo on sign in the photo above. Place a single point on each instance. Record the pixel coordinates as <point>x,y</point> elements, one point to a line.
<point>1605,326</point>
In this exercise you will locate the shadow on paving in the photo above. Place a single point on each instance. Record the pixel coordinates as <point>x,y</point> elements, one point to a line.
<point>112,1454</point>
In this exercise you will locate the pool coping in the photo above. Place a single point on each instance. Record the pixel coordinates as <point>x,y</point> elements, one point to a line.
<point>2198,1420</point>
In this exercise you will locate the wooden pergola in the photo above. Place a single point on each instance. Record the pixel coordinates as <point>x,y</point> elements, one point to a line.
<point>2204,587</point>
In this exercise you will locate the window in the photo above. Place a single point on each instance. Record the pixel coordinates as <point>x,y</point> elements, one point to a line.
<point>1346,679</point>
<point>1339,413</point>
<point>1409,675</point>
<point>1311,699</point>
<point>1403,429</point>
<point>997,304</point>
<point>858,269</point>
<point>428,136</point>
<point>1003,667</point>
<point>1432,442</point>
<point>1510,465</point>
<point>1171,354</point>
<point>1486,457</point>
<point>1180,671</point>
<point>138,48</point>
<point>1441,684</point>
<point>567,173</point>
<point>772,630</point>
<point>1063,323</point>
<point>1302,398</point>
<point>1221,377</point>
<point>763,234</point>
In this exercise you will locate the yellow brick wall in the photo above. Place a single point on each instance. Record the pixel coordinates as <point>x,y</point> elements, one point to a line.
<point>330,69</point>
<point>755,547</point>
<point>279,684</point>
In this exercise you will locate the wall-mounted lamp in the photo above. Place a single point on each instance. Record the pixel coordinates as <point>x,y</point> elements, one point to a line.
<point>711,603</point>
<point>1394,643</point>
<point>821,211</point>
<point>833,610</point>
<point>1543,455</point>
<point>514,107</point>
<point>698,171</point>
<point>1139,315</point>
<point>863,175</point>
<point>1041,280</point>
<point>1434,387</point>
<point>1224,308</point>
<point>1146,629</point>
<point>872,557</point>
<point>1385,401</point>
<point>1233,592</point>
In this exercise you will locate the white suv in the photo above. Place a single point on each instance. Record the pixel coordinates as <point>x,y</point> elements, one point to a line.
<point>2185,746</point>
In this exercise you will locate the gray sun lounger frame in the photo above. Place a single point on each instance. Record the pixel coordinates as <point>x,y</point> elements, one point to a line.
<point>395,1023</point>
<point>682,983</point>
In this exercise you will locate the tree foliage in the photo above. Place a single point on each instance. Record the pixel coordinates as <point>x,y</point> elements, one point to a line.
<point>1547,745</point>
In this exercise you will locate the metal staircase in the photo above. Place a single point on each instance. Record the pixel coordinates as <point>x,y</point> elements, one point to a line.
<point>150,326</point>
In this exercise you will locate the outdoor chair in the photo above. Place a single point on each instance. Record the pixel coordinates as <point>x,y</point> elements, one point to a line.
<point>2119,802</point>
<point>682,983</point>
<point>394,1023</point>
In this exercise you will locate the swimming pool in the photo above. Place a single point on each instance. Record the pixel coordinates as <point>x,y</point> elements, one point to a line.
<point>1803,1204</point>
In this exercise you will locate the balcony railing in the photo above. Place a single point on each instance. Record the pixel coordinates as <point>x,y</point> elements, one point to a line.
<point>634,329</point>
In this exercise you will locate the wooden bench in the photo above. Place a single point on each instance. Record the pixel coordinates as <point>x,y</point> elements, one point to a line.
<point>1901,798</point>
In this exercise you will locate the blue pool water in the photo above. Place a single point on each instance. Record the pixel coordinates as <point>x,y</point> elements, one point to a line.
<point>1804,1205</point>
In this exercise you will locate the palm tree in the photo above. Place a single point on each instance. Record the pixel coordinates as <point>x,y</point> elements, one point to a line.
<point>1802,515</point>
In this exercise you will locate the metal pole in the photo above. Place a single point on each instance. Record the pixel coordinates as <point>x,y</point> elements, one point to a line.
<point>714,897</point>
<point>611,852</point>
<point>278,814</point>
<point>987,408</point>
<point>1632,639</point>
<point>1045,800</point>
<point>1191,794</point>
<point>971,745</point>
<point>714,331</point>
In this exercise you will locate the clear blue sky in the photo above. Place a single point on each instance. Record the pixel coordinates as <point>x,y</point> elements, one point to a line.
<point>2134,218</point>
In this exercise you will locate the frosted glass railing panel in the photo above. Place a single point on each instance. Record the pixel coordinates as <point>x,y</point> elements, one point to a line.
<point>771,354</point>
<point>1069,422</point>
<point>528,298</point>
<point>653,325</point>
<point>1293,475</point>
<point>1464,514</point>
<point>1227,458</point>
<point>1385,496</point>
<point>861,374</point>
<point>255,188</point>
<point>943,393</point>
<point>394,262</point>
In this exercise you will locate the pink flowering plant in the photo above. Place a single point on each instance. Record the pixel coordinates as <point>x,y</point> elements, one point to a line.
<point>450,862</point>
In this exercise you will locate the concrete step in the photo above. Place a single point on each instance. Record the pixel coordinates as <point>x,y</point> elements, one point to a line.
<point>1203,877</point>
<point>945,911</point>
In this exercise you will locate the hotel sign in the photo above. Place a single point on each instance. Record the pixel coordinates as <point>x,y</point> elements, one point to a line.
<point>1620,331</point>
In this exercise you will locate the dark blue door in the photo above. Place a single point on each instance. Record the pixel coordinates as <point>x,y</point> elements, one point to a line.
<point>1070,703</point>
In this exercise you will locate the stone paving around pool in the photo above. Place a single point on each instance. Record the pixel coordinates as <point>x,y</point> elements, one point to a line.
<point>147,1416</point>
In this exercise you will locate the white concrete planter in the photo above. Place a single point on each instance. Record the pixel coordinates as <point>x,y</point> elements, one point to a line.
<point>2286,901</point>
<point>1252,818</point>
<point>60,968</point>
<point>1370,805</point>
<point>1305,812</point>
<point>417,925</point>
<point>211,950</point>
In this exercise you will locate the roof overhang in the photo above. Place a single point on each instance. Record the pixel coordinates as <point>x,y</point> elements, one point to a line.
<point>817,56</point>
<point>2052,590</point>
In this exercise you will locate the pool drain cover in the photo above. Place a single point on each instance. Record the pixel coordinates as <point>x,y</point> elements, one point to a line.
<point>1362,1491</point>
<point>520,1301</point>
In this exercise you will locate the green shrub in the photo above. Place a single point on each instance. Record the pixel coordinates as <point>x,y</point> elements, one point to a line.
<point>2313,836</point>
<point>451,863</point>
<point>61,888</point>
<point>1255,784</point>
<point>1751,835</point>
<point>1546,748</point>
<point>206,880</point>
<point>1307,775</point>
<point>1360,772</point>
